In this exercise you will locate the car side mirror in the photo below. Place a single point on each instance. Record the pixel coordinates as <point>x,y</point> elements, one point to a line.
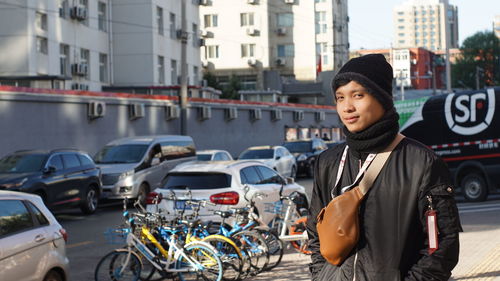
<point>49,170</point>
<point>278,157</point>
<point>289,180</point>
<point>155,161</point>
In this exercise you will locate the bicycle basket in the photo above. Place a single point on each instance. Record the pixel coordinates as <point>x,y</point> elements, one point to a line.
<point>116,235</point>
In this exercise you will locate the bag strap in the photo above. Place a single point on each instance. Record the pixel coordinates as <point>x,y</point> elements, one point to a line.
<point>377,164</point>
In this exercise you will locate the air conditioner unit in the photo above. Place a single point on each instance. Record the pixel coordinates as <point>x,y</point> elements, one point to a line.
<point>201,42</point>
<point>298,115</point>
<point>280,62</point>
<point>96,109</point>
<point>319,116</point>
<point>255,114</point>
<point>172,112</point>
<point>80,69</point>
<point>281,31</point>
<point>204,112</point>
<point>206,34</point>
<point>252,62</point>
<point>253,2</point>
<point>276,115</point>
<point>78,13</point>
<point>181,34</point>
<point>290,1</point>
<point>252,31</point>
<point>231,113</point>
<point>205,2</point>
<point>136,111</point>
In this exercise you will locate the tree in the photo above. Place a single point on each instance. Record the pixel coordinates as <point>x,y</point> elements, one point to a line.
<point>229,91</point>
<point>480,58</point>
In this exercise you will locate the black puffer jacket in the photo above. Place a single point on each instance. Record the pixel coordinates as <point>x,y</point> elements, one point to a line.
<point>393,240</point>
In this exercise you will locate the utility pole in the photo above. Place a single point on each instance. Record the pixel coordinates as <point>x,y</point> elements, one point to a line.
<point>183,92</point>
<point>401,80</point>
<point>447,47</point>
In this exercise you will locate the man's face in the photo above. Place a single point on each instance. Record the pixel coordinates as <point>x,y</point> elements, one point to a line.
<point>357,108</point>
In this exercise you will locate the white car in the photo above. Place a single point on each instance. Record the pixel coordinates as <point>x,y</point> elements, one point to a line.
<point>213,155</point>
<point>32,242</point>
<point>223,183</point>
<point>277,157</point>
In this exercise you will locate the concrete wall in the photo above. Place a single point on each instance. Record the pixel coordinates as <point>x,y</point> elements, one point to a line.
<point>43,119</point>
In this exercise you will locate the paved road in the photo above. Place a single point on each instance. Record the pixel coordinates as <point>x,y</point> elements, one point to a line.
<point>479,256</point>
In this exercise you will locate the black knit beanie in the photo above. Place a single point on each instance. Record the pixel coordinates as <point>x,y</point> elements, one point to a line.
<point>371,71</point>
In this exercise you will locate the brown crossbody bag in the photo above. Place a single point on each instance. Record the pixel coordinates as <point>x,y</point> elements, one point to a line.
<point>338,222</point>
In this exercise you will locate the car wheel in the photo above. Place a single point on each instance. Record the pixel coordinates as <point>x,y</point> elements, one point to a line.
<point>293,173</point>
<point>474,187</point>
<point>143,193</point>
<point>90,201</point>
<point>53,276</point>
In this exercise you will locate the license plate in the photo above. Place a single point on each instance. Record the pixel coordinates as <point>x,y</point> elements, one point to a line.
<point>181,205</point>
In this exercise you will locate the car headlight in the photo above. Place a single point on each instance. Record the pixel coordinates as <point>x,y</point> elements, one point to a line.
<point>125,175</point>
<point>302,157</point>
<point>15,184</point>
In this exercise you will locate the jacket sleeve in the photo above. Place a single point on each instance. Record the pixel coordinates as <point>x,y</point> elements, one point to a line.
<point>317,203</point>
<point>436,184</point>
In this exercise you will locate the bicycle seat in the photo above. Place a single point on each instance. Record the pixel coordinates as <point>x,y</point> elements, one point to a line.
<point>224,214</point>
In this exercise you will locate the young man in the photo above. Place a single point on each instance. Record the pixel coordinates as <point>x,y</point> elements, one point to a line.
<point>393,242</point>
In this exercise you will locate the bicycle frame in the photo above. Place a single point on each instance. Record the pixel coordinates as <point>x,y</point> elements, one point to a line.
<point>287,223</point>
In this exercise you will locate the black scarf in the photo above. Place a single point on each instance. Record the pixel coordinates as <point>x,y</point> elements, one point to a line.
<point>374,138</point>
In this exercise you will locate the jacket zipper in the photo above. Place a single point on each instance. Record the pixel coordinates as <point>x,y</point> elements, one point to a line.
<point>354,267</point>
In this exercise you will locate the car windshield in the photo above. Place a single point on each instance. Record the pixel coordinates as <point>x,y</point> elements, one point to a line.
<point>204,157</point>
<point>22,163</point>
<point>299,146</point>
<point>197,181</point>
<point>127,153</point>
<point>257,154</point>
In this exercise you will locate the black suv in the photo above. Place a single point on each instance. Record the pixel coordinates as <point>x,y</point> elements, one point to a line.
<point>305,152</point>
<point>61,177</point>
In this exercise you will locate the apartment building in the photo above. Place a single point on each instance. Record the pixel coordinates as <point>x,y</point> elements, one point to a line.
<point>90,44</point>
<point>496,26</point>
<point>295,38</point>
<point>422,23</point>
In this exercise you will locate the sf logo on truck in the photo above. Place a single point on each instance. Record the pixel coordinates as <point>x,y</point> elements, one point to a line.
<point>470,114</point>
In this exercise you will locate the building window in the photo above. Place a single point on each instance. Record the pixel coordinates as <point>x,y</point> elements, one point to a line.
<point>173,29</point>
<point>417,41</point>
<point>319,1</point>
<point>424,33</point>
<point>401,20</point>
<point>286,51</point>
<point>432,26</point>
<point>161,70</point>
<point>424,12</point>
<point>103,68</point>
<point>424,26</point>
<point>402,34</point>
<point>85,59</point>
<point>402,27</point>
<point>246,19</point>
<point>212,52</point>
<point>63,8</point>
<point>425,41</point>
<point>159,19</point>
<point>401,13</point>
<point>195,75</point>
<point>195,35</point>
<point>41,21</point>
<point>247,50</point>
<point>84,4</point>
<point>42,45</point>
<point>401,41</point>
<point>64,59</point>
<point>285,20</point>
<point>417,33</point>
<point>210,20</point>
<point>416,20</point>
<point>320,20</point>
<point>173,73</point>
<point>102,18</point>
<point>424,20</point>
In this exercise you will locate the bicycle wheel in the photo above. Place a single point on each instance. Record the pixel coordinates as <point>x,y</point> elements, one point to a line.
<point>119,265</point>
<point>229,254</point>
<point>256,247</point>
<point>276,248</point>
<point>207,265</point>
<point>297,228</point>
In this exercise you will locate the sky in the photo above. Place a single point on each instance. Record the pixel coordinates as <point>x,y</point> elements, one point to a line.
<point>371,26</point>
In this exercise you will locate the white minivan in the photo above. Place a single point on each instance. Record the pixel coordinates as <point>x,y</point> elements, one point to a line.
<point>132,167</point>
